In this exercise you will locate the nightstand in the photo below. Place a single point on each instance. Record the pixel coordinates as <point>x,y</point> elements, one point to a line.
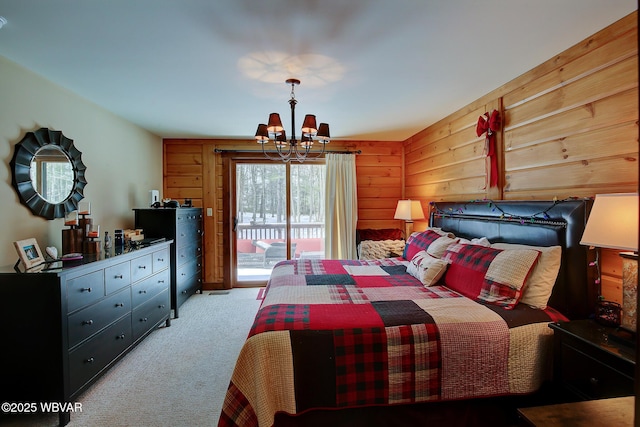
<point>588,364</point>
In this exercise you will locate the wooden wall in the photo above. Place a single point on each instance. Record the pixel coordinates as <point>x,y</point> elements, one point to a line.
<point>569,128</point>
<point>192,169</point>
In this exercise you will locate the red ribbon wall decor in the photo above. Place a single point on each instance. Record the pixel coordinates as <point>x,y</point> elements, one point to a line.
<point>489,124</point>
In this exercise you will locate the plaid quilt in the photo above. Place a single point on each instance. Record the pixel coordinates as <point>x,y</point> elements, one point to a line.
<point>345,333</point>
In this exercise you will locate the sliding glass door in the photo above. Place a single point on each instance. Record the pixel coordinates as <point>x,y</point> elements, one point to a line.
<point>278,215</point>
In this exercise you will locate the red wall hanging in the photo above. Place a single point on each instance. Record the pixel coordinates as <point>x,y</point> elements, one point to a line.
<point>489,124</point>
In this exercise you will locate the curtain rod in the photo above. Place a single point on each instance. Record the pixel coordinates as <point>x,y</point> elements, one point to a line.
<point>221,150</point>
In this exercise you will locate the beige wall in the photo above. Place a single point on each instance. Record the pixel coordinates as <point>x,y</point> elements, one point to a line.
<point>123,161</point>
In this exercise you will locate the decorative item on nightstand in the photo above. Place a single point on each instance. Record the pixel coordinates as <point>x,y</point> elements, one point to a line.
<point>613,223</point>
<point>409,210</point>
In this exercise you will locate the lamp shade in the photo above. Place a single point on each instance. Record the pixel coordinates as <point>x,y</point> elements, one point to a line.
<point>323,133</point>
<point>281,139</point>
<point>613,222</point>
<point>409,210</point>
<point>275,124</point>
<point>262,135</point>
<point>309,125</point>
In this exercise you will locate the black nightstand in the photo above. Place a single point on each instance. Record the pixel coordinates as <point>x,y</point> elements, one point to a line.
<point>588,364</point>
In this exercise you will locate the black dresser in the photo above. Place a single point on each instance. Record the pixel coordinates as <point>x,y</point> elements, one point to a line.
<point>64,327</point>
<point>184,227</point>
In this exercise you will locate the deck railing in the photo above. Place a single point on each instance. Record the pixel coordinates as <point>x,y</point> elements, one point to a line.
<point>277,231</point>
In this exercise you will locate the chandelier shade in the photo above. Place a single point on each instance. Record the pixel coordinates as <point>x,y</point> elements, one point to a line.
<point>300,150</point>
<point>262,135</point>
<point>275,124</point>
<point>309,125</point>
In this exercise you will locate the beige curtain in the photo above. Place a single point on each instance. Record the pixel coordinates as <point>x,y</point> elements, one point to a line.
<point>341,206</point>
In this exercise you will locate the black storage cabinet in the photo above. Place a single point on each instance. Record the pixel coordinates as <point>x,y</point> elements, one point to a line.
<point>184,227</point>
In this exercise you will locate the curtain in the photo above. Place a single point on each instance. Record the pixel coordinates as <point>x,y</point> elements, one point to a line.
<point>341,206</point>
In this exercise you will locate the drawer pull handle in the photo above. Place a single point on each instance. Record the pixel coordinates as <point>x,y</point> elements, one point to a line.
<point>161,306</point>
<point>87,322</point>
<point>593,381</point>
<point>85,290</point>
<point>184,292</point>
<point>89,360</point>
<point>143,291</point>
<point>142,266</point>
<point>161,259</point>
<point>160,281</point>
<point>118,276</point>
<point>120,337</point>
<point>119,304</point>
<point>144,319</point>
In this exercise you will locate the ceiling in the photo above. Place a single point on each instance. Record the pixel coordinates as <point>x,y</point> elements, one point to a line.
<point>372,69</point>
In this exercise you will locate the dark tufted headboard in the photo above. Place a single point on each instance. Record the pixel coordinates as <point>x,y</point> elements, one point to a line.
<point>539,223</point>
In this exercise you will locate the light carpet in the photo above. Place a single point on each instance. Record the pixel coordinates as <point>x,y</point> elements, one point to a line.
<point>177,376</point>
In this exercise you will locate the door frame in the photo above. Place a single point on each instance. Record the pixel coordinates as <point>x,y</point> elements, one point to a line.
<point>230,258</point>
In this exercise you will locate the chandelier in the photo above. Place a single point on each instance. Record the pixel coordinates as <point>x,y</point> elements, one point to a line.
<point>293,149</point>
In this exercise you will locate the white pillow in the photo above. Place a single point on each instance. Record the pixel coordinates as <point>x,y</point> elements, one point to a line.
<point>482,241</point>
<point>539,284</point>
<point>426,268</point>
<point>439,246</point>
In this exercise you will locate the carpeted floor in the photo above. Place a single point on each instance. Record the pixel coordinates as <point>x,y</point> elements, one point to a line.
<point>177,376</point>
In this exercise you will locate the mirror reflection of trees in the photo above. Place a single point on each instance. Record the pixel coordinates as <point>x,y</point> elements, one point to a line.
<point>52,174</point>
<point>261,193</point>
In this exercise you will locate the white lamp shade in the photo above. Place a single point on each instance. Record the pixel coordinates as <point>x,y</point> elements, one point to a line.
<point>409,210</point>
<point>613,222</point>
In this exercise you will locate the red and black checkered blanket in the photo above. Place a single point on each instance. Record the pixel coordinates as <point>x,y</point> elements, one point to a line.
<point>338,333</point>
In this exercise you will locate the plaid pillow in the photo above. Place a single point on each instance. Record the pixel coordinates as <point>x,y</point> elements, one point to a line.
<point>420,241</point>
<point>487,274</point>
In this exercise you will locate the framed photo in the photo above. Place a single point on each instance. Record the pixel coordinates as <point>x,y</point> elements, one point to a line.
<point>29,252</point>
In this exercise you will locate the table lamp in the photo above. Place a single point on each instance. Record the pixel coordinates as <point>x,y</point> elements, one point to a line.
<point>613,223</point>
<point>408,210</point>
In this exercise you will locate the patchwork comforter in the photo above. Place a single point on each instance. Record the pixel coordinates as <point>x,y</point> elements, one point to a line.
<point>344,333</point>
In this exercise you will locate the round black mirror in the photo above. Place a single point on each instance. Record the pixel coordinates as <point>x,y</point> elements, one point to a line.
<point>48,173</point>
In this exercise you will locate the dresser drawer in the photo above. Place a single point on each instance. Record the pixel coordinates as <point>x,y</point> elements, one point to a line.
<point>187,233</point>
<point>141,267</point>
<point>84,290</point>
<point>147,288</point>
<point>189,216</point>
<point>186,270</point>
<point>160,260</point>
<point>94,318</point>
<point>592,379</point>
<point>117,277</point>
<point>151,313</point>
<point>91,357</point>
<point>188,253</point>
<point>187,287</point>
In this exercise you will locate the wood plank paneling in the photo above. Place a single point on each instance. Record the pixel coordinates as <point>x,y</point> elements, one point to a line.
<point>193,169</point>
<point>570,128</point>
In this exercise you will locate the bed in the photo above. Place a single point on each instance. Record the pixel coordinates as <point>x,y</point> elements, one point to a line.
<point>402,340</point>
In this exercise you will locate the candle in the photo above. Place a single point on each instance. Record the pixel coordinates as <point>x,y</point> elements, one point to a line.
<point>71,218</point>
